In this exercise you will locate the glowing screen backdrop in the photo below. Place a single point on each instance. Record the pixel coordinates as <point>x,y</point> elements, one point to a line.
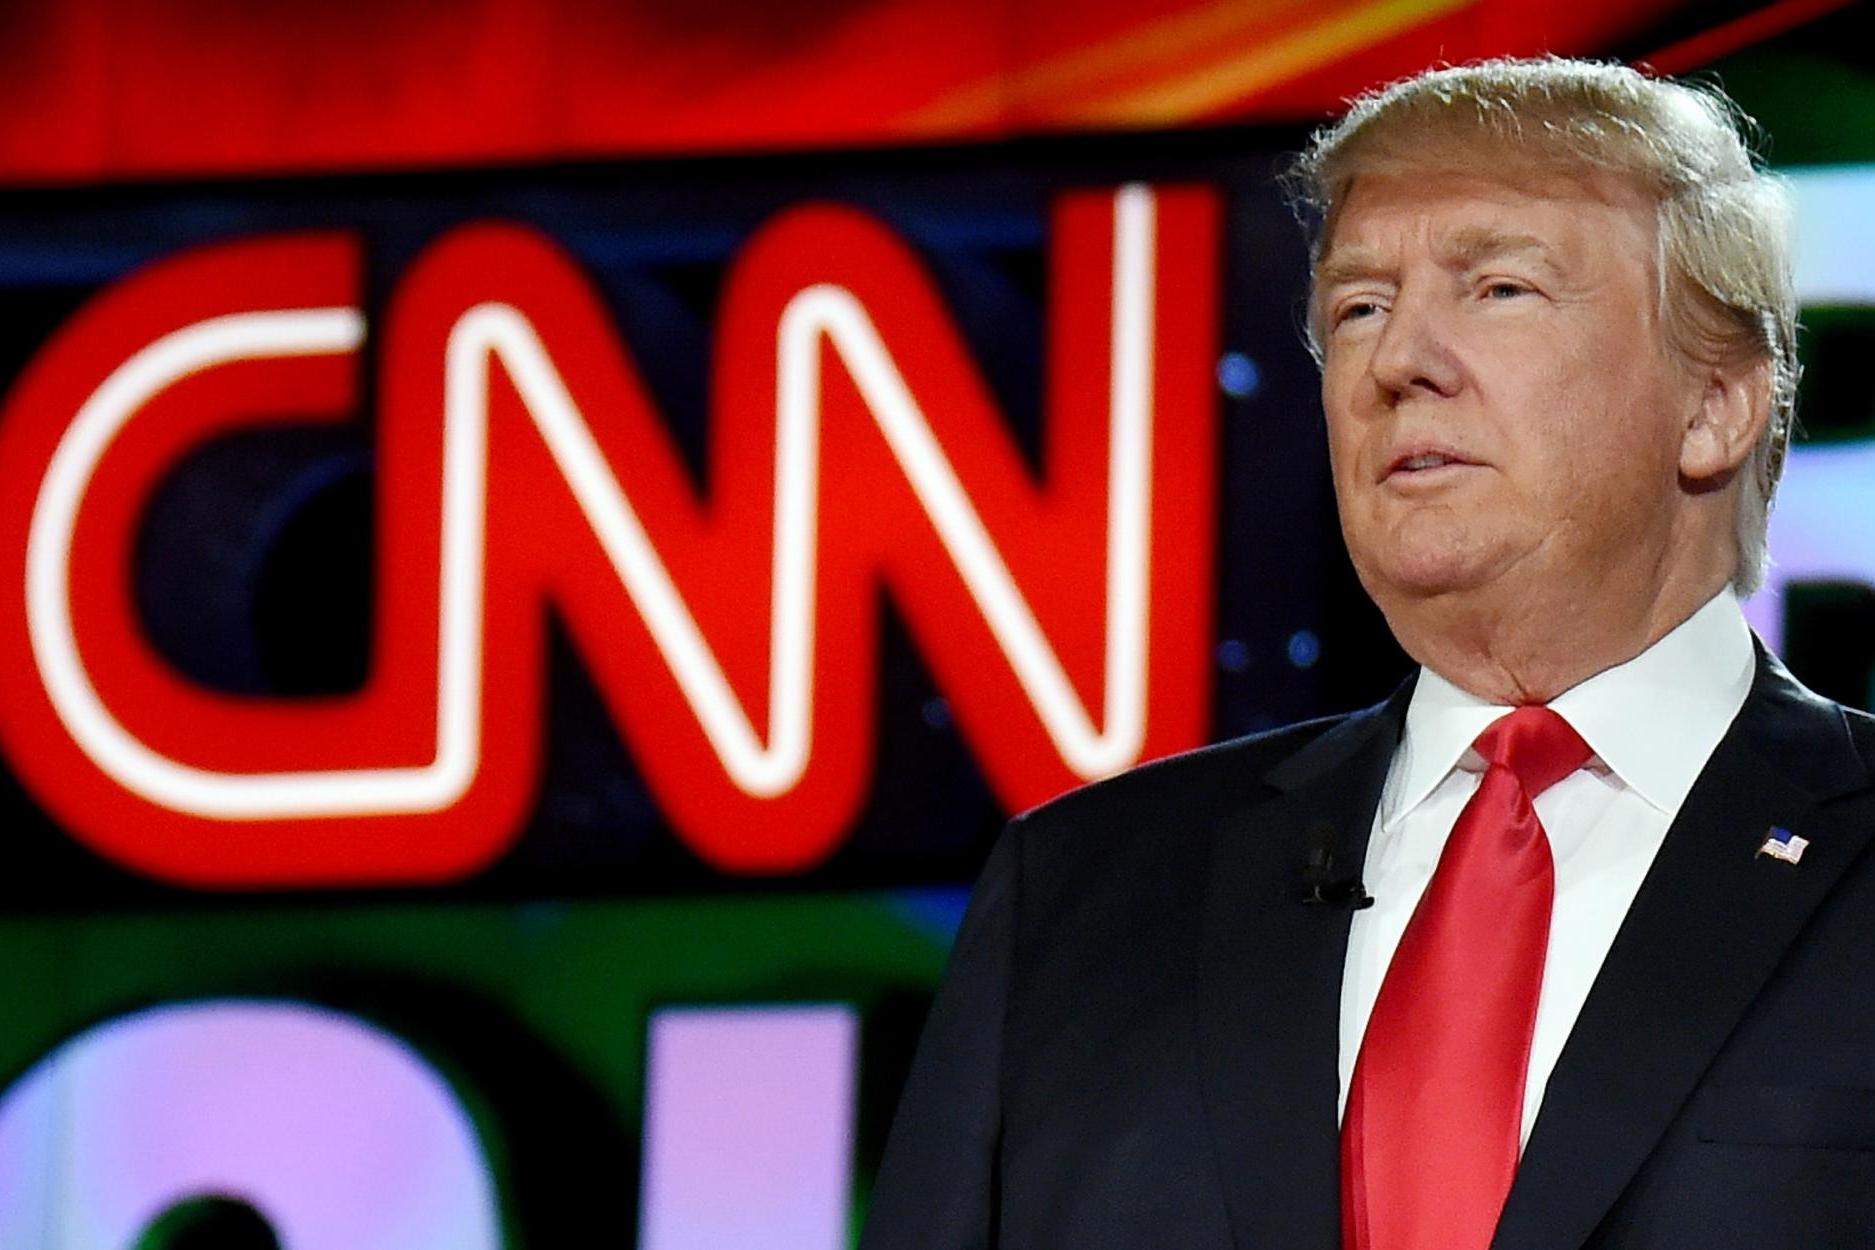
<point>509,678</point>
<point>506,678</point>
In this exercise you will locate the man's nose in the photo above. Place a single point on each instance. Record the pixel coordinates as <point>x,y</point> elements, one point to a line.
<point>1414,356</point>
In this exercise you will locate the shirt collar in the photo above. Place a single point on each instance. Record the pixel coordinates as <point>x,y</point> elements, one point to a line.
<point>1652,721</point>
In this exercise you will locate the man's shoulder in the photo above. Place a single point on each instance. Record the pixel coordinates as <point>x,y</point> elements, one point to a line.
<point>1119,866</point>
<point>1186,789</point>
<point>1804,731</point>
<point>1861,728</point>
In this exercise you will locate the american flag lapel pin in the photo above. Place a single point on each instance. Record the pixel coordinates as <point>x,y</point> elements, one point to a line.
<point>1783,844</point>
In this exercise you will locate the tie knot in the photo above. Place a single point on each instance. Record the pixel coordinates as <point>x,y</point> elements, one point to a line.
<point>1536,745</point>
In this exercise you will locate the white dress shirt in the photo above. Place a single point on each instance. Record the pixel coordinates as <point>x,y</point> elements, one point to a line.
<point>1652,723</point>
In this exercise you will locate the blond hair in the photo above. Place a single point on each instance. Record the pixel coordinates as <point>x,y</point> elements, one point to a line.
<point>1724,263</point>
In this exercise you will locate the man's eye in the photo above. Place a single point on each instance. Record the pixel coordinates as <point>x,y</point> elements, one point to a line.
<point>1505,290</point>
<point>1354,310</point>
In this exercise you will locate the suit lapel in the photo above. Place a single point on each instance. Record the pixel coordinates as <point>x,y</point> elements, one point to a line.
<point>1270,983</point>
<point>1707,928</point>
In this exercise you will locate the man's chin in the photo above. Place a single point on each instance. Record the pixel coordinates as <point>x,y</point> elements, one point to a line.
<point>1422,577</point>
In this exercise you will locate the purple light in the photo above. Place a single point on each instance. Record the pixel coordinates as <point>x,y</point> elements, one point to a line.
<point>340,1135</point>
<point>1823,526</point>
<point>749,1128</point>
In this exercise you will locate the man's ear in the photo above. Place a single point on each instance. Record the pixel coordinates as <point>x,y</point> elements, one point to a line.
<point>1728,420</point>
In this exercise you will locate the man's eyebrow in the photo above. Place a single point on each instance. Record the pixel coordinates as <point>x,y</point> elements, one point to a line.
<point>1464,248</point>
<point>1348,264</point>
<point>1470,246</point>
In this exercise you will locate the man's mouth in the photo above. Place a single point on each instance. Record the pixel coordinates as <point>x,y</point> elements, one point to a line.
<point>1425,462</point>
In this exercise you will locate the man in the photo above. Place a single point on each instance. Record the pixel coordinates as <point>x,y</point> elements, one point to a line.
<point>1611,989</point>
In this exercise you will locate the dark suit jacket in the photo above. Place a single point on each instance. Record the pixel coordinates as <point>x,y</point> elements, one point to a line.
<point>1135,1045</point>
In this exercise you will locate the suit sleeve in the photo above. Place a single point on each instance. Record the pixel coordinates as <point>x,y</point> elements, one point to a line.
<point>937,1187</point>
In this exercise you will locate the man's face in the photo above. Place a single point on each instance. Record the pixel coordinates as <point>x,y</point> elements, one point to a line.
<point>1502,410</point>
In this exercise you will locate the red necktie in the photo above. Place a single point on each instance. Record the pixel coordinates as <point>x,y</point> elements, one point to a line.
<point>1429,1143</point>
